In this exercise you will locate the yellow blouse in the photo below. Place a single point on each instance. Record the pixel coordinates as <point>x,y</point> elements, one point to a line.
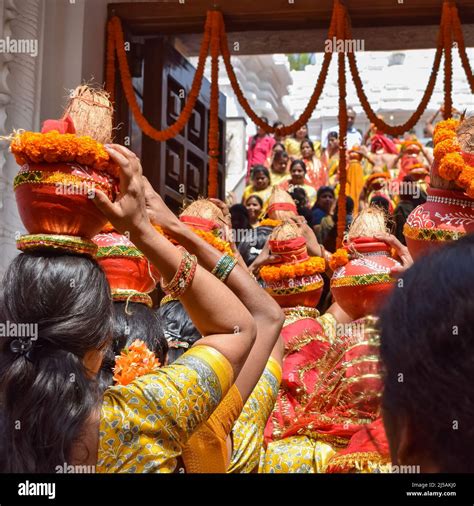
<point>206,450</point>
<point>263,194</point>
<point>144,425</point>
<point>247,432</point>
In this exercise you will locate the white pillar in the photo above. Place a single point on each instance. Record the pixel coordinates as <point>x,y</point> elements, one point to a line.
<point>20,87</point>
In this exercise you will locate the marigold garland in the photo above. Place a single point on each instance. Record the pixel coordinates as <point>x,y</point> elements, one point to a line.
<point>413,120</point>
<point>339,258</point>
<point>272,273</point>
<point>117,45</point>
<point>53,147</point>
<point>213,134</point>
<point>313,101</point>
<point>214,241</point>
<point>268,222</point>
<point>451,164</point>
<point>133,362</point>
<point>459,38</point>
<point>449,145</point>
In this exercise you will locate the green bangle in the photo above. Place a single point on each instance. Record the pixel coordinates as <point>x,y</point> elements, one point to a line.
<point>224,267</point>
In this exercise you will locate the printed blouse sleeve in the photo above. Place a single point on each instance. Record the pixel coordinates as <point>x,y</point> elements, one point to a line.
<point>156,414</point>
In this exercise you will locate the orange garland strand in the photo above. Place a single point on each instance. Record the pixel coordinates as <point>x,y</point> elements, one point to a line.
<point>110,62</point>
<point>306,114</point>
<point>115,29</point>
<point>213,134</point>
<point>448,61</point>
<point>459,38</point>
<point>341,204</point>
<point>413,120</point>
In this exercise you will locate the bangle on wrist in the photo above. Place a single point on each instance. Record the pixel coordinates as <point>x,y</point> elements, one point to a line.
<point>183,277</point>
<point>224,267</point>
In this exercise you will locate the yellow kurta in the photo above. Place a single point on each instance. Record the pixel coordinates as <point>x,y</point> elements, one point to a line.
<point>247,433</point>
<point>144,425</point>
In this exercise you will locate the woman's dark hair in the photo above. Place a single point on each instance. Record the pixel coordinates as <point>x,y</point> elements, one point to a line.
<point>324,189</point>
<point>427,350</point>
<point>240,220</point>
<point>279,155</point>
<point>299,196</point>
<point>278,124</point>
<point>255,137</point>
<point>47,395</point>
<point>278,144</point>
<point>254,243</point>
<point>305,125</point>
<point>131,321</point>
<point>178,327</point>
<point>259,168</point>
<point>333,135</point>
<point>307,141</point>
<point>294,163</point>
<point>257,198</point>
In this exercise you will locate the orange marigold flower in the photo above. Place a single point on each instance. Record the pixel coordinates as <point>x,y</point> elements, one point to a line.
<point>445,147</point>
<point>133,362</point>
<point>466,177</point>
<point>268,222</point>
<point>443,134</point>
<point>451,166</point>
<point>272,273</point>
<point>339,258</point>
<point>447,124</point>
<point>214,241</point>
<point>53,147</point>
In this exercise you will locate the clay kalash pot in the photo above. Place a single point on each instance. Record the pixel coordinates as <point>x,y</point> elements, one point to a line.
<point>130,275</point>
<point>361,286</point>
<point>63,165</point>
<point>448,213</point>
<point>296,280</point>
<point>56,198</point>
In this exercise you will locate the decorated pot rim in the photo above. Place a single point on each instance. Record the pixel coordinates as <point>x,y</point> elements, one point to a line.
<point>431,234</point>
<point>118,251</point>
<point>299,284</point>
<point>68,243</point>
<point>128,295</point>
<point>55,178</point>
<point>362,280</point>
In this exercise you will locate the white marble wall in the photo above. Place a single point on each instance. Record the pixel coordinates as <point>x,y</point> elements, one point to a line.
<point>20,76</point>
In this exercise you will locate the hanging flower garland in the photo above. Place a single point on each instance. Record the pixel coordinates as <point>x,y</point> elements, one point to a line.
<point>413,120</point>
<point>306,114</point>
<point>459,38</point>
<point>341,205</point>
<point>116,39</point>
<point>213,134</point>
<point>448,61</point>
<point>110,62</point>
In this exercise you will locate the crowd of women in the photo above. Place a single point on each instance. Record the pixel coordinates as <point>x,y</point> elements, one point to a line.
<point>230,368</point>
<point>387,172</point>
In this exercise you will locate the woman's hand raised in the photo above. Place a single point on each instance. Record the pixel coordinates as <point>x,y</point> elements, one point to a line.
<point>128,213</point>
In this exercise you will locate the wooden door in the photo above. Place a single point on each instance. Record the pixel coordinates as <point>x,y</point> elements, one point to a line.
<point>177,168</point>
